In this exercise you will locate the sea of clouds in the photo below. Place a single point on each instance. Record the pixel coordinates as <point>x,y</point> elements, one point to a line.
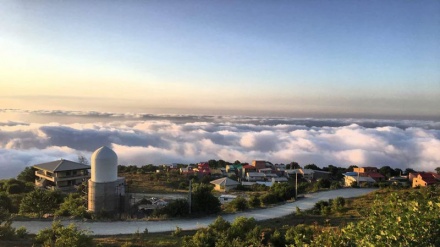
<point>141,139</point>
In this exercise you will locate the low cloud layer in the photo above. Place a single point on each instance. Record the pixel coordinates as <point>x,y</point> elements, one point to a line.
<point>143,139</point>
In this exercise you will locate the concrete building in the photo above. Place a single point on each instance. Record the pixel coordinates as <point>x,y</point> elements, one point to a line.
<point>106,190</point>
<point>64,175</point>
<point>259,164</point>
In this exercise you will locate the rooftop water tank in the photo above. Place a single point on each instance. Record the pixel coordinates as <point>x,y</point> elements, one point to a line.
<point>104,165</point>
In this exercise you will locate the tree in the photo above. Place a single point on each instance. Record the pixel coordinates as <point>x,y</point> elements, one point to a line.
<point>213,164</point>
<point>175,208</point>
<point>27,175</point>
<point>83,160</point>
<point>437,170</point>
<point>73,205</point>
<point>5,202</point>
<point>61,236</point>
<point>409,170</point>
<point>387,171</point>
<point>350,168</point>
<point>323,183</point>
<point>203,201</point>
<point>40,202</point>
<point>294,165</point>
<point>312,166</point>
<point>14,186</point>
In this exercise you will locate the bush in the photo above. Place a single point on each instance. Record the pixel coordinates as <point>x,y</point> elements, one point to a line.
<point>410,221</point>
<point>177,232</point>
<point>268,199</point>
<point>73,205</point>
<point>175,208</point>
<point>61,236</point>
<point>255,201</point>
<point>238,204</point>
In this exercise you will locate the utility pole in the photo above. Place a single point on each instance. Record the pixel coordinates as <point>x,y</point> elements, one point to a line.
<point>358,178</point>
<point>296,184</point>
<point>189,198</point>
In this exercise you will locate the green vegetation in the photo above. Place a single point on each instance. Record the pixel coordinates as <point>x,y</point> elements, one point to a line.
<point>27,175</point>
<point>397,218</point>
<point>40,202</point>
<point>73,205</point>
<point>63,236</point>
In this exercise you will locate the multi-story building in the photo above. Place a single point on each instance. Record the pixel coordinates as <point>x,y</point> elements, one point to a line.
<point>62,174</point>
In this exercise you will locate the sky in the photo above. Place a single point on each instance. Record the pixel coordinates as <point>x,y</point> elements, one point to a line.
<point>361,59</point>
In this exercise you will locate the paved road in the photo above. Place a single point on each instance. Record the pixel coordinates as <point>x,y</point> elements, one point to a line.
<point>129,227</point>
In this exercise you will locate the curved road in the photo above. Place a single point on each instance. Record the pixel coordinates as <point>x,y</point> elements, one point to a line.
<point>129,227</point>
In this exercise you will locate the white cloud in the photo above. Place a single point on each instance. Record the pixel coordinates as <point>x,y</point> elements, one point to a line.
<point>187,139</point>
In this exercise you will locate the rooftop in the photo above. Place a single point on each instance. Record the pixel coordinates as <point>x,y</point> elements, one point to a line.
<point>61,165</point>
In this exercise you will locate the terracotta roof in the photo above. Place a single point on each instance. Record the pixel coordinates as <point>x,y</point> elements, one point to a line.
<point>428,178</point>
<point>375,175</point>
<point>61,165</point>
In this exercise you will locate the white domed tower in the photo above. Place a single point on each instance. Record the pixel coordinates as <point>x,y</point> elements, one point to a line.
<point>106,190</point>
<point>104,165</point>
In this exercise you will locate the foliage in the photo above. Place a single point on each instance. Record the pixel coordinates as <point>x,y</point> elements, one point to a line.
<point>402,220</point>
<point>73,205</point>
<point>5,202</point>
<point>176,208</point>
<point>14,186</point>
<point>268,198</point>
<point>27,175</point>
<point>177,232</point>
<point>277,239</point>
<point>254,201</point>
<point>335,185</point>
<point>61,236</point>
<point>388,171</point>
<point>312,166</point>
<point>237,204</point>
<point>326,207</point>
<point>40,202</point>
<point>203,201</point>
<point>7,232</point>
<point>300,235</point>
<point>241,232</point>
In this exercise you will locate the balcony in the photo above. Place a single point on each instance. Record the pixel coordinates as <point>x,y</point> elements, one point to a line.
<point>42,174</point>
<point>71,177</point>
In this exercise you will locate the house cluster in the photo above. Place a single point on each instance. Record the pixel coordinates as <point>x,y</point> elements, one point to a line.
<point>262,172</point>
<point>370,176</point>
<point>364,175</point>
<point>202,169</point>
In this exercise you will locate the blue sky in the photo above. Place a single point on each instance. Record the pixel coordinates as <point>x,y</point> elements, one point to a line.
<point>295,58</point>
